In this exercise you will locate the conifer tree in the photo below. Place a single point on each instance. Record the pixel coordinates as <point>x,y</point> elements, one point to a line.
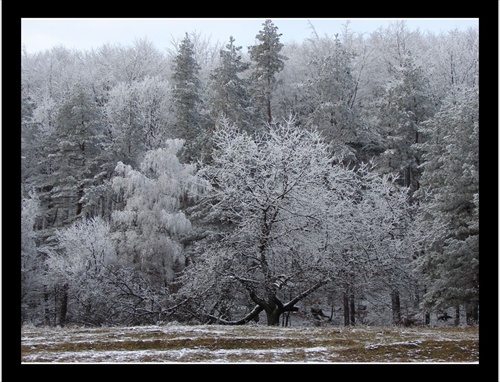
<point>406,104</point>
<point>186,97</point>
<point>331,87</point>
<point>231,98</point>
<point>267,63</point>
<point>450,204</point>
<point>72,159</point>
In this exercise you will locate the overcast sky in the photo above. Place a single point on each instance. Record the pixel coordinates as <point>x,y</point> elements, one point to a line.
<point>83,34</point>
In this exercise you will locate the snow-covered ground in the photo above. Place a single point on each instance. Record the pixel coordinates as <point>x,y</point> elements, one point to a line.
<point>248,344</point>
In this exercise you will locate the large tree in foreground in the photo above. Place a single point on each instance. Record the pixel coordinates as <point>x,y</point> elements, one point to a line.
<point>273,195</point>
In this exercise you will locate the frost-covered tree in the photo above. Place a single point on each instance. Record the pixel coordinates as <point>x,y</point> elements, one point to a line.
<point>331,89</point>
<point>78,266</point>
<point>231,98</point>
<point>148,228</point>
<point>83,111</point>
<point>270,200</point>
<point>153,104</point>
<point>450,204</point>
<point>31,262</point>
<point>138,118</point>
<point>30,134</point>
<point>122,114</point>
<point>453,60</point>
<point>267,62</point>
<point>72,159</point>
<point>186,99</point>
<point>406,104</point>
<point>380,242</point>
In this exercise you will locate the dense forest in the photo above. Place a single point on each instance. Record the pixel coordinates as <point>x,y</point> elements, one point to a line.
<point>331,181</point>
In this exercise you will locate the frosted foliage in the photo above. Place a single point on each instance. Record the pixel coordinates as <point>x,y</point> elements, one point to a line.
<point>382,226</point>
<point>275,188</point>
<point>83,248</point>
<point>30,209</point>
<point>450,184</point>
<point>291,220</point>
<point>149,226</point>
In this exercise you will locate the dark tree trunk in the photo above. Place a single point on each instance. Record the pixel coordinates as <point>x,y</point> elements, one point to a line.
<point>346,309</point>
<point>457,315</point>
<point>46,309</point>
<point>79,204</point>
<point>268,101</point>
<point>64,306</point>
<point>332,311</point>
<point>427,318</point>
<point>352,310</point>
<point>472,313</point>
<point>273,317</point>
<point>273,307</point>
<point>285,320</point>
<point>396,308</point>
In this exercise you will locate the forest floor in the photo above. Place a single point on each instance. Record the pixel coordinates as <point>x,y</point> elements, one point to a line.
<point>248,344</point>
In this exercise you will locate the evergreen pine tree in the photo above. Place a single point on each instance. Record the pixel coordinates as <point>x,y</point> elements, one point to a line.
<point>72,159</point>
<point>267,62</point>
<point>450,204</point>
<point>186,98</point>
<point>332,87</point>
<point>406,104</point>
<point>231,98</point>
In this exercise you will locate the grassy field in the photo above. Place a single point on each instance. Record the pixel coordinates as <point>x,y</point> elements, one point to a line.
<point>248,344</point>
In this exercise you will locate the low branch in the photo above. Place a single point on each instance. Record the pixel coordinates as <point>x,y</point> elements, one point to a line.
<point>250,316</point>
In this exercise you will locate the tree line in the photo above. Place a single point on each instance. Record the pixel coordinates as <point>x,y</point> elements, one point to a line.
<point>211,185</point>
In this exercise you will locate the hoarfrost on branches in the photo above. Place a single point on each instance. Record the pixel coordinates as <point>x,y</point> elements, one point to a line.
<point>151,223</point>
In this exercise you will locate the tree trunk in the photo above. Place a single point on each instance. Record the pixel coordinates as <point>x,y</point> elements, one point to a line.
<point>46,309</point>
<point>472,313</point>
<point>346,309</point>
<point>64,306</point>
<point>457,315</point>
<point>273,317</point>
<point>396,308</point>
<point>286,321</point>
<point>273,307</point>
<point>268,101</point>
<point>352,311</point>
<point>332,311</point>
<point>427,318</point>
<point>79,204</point>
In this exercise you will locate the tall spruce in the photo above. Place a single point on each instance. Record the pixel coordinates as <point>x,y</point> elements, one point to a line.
<point>72,159</point>
<point>231,98</point>
<point>406,104</point>
<point>186,97</point>
<point>267,63</point>
<point>450,204</point>
<point>331,87</point>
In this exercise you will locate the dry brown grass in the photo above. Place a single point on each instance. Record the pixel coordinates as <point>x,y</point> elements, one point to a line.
<point>256,344</point>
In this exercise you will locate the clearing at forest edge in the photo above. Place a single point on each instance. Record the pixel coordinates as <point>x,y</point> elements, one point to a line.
<point>250,344</point>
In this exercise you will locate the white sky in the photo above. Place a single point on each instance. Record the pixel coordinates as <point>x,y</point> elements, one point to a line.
<point>84,34</point>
